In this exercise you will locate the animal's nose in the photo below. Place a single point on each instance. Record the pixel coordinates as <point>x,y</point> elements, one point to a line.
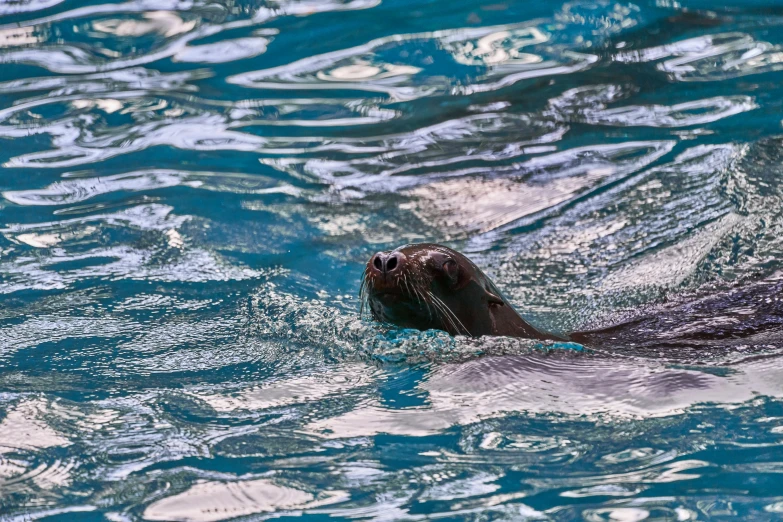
<point>387,263</point>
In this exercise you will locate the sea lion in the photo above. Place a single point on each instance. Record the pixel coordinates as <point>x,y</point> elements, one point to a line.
<point>427,286</point>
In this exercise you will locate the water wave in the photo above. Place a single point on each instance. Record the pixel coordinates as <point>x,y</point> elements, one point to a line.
<point>190,191</point>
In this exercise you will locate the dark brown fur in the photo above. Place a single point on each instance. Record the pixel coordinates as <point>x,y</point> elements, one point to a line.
<point>434,287</point>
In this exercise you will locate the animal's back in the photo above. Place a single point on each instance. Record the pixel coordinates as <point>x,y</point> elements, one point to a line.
<point>746,316</point>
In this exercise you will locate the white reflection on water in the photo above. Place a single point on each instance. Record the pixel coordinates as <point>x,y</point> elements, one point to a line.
<point>627,388</point>
<point>83,188</point>
<point>488,138</point>
<point>207,133</point>
<point>156,17</point>
<point>25,6</point>
<point>555,183</point>
<point>223,51</point>
<point>212,501</point>
<point>36,330</point>
<point>21,36</point>
<point>711,57</point>
<point>166,23</point>
<point>671,266</point>
<point>678,115</point>
<point>68,59</point>
<point>110,81</point>
<point>297,390</point>
<point>119,261</point>
<point>277,8</point>
<point>23,429</point>
<point>546,181</point>
<point>194,265</point>
<point>78,139</point>
<point>146,217</point>
<point>589,103</point>
<point>502,47</point>
<point>494,49</point>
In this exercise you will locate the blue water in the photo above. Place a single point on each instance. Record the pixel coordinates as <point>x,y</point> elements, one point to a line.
<point>190,190</point>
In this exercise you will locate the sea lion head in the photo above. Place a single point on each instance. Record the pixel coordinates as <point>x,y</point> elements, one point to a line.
<point>428,286</point>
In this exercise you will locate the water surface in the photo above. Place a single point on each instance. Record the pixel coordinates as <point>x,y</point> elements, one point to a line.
<point>190,190</point>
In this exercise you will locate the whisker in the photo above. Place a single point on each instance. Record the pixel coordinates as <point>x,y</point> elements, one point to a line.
<point>427,303</point>
<point>445,316</point>
<point>363,292</point>
<point>453,315</point>
<point>407,288</point>
<point>414,288</point>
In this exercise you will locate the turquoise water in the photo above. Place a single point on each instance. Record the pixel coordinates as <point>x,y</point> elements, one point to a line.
<point>190,190</point>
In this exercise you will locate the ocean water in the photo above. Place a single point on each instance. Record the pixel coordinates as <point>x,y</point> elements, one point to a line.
<point>190,190</point>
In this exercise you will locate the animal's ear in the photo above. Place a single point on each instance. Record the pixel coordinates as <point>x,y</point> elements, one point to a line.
<point>451,269</point>
<point>447,266</point>
<point>494,299</point>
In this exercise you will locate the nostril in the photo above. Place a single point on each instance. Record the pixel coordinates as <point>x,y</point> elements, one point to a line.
<point>377,263</point>
<point>391,264</point>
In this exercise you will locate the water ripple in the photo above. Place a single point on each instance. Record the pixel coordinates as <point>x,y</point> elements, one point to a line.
<point>211,501</point>
<point>191,188</point>
<point>486,53</point>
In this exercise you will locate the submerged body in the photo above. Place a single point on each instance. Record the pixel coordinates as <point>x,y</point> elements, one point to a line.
<point>745,318</point>
<point>429,286</point>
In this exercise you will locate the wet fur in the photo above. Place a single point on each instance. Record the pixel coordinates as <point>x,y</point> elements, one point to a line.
<point>743,317</point>
<point>472,307</point>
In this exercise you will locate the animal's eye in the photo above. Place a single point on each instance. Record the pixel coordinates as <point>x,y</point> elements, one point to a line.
<point>451,269</point>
